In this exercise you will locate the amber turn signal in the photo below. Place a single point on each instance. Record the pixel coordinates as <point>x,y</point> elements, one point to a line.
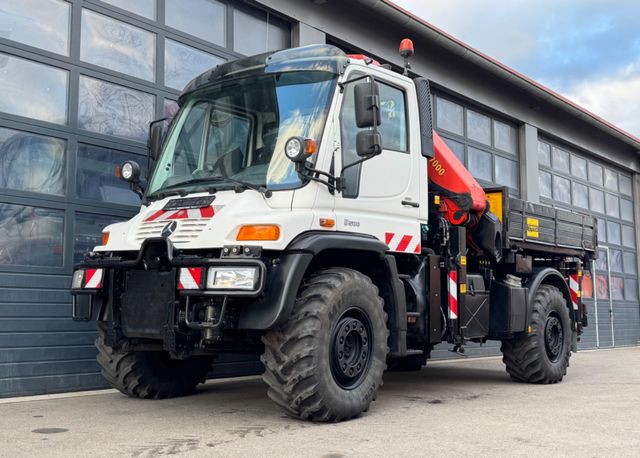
<point>105,238</point>
<point>310,146</point>
<point>327,222</point>
<point>259,232</point>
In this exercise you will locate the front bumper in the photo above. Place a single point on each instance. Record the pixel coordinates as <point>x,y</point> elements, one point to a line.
<point>163,294</point>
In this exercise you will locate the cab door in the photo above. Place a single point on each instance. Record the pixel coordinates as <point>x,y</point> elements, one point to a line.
<point>382,195</point>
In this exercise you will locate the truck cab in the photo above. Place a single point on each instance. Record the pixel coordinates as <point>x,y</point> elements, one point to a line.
<point>301,207</point>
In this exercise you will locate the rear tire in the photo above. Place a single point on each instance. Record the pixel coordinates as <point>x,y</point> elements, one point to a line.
<point>542,355</point>
<point>150,374</point>
<point>325,363</point>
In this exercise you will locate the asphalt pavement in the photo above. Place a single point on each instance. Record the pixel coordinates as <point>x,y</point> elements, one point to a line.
<point>465,407</point>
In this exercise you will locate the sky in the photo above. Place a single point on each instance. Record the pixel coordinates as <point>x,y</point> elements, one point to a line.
<point>586,50</point>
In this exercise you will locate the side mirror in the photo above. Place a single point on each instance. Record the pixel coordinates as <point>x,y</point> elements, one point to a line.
<point>157,131</point>
<point>368,143</point>
<point>129,171</point>
<point>367,104</point>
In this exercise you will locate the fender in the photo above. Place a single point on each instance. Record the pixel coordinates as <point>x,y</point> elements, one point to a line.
<point>286,275</point>
<point>546,276</point>
<point>551,276</point>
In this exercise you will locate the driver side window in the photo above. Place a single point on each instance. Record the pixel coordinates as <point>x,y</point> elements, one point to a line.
<point>393,129</point>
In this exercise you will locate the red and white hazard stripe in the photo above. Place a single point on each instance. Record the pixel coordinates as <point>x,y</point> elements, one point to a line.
<point>575,290</point>
<point>190,278</point>
<point>403,243</point>
<point>453,295</point>
<point>93,278</point>
<point>184,213</point>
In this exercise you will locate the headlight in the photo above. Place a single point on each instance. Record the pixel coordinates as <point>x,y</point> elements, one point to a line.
<point>76,281</point>
<point>242,278</point>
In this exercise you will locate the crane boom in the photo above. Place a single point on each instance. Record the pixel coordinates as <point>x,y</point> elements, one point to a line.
<point>463,199</point>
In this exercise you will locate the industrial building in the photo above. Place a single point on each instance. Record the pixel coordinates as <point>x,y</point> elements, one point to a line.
<point>82,79</point>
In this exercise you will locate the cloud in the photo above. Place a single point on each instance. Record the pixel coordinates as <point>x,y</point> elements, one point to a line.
<point>584,49</point>
<point>616,98</point>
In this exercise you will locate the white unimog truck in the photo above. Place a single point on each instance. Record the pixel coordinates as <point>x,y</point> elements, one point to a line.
<point>301,207</point>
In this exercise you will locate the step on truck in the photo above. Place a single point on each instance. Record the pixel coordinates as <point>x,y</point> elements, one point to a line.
<point>301,207</point>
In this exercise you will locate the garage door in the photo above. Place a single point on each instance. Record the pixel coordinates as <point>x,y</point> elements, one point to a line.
<point>80,82</point>
<point>574,180</point>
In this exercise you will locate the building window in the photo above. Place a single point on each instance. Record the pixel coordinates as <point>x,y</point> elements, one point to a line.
<point>88,232</point>
<point>486,145</point>
<point>30,162</point>
<point>182,63</point>
<point>117,46</point>
<point>33,90</point>
<point>96,178</point>
<point>31,23</point>
<point>204,19</point>
<point>267,33</point>
<point>111,109</point>
<point>144,8</point>
<point>31,236</point>
<point>449,116</point>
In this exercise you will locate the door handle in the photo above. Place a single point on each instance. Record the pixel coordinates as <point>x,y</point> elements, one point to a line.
<point>410,203</point>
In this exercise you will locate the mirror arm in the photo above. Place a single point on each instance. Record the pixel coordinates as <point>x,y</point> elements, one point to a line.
<point>137,188</point>
<point>332,183</point>
<point>359,161</point>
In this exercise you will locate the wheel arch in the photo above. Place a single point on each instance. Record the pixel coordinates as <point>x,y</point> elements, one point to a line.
<point>552,277</point>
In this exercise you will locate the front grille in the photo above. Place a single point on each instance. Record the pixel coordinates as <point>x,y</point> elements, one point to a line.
<point>187,230</point>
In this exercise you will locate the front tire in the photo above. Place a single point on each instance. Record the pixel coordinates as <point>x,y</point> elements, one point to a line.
<point>150,374</point>
<point>325,363</point>
<point>542,356</point>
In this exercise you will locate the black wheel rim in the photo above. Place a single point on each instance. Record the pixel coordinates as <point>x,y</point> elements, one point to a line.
<point>553,337</point>
<point>351,346</point>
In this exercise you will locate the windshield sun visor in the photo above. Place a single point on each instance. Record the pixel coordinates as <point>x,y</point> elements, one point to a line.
<point>325,58</point>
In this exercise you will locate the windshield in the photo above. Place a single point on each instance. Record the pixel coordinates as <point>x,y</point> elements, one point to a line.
<point>235,131</point>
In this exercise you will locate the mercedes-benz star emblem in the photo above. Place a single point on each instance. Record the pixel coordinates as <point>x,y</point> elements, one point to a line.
<point>169,229</point>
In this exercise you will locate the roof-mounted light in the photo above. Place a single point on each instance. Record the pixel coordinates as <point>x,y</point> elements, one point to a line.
<point>406,51</point>
<point>367,60</point>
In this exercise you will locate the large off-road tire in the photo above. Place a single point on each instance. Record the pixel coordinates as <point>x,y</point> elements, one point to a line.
<point>325,363</point>
<point>542,355</point>
<point>150,374</point>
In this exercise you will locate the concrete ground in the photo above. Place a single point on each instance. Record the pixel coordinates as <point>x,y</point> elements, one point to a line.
<point>452,408</point>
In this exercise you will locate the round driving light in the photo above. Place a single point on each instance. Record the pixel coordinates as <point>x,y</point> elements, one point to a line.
<point>293,148</point>
<point>127,171</point>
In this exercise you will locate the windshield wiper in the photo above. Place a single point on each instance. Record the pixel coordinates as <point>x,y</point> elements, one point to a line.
<point>240,185</point>
<point>243,185</point>
<point>169,191</point>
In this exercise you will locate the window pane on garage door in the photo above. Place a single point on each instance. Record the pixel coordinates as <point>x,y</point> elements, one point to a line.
<point>30,162</point>
<point>486,144</point>
<point>31,236</point>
